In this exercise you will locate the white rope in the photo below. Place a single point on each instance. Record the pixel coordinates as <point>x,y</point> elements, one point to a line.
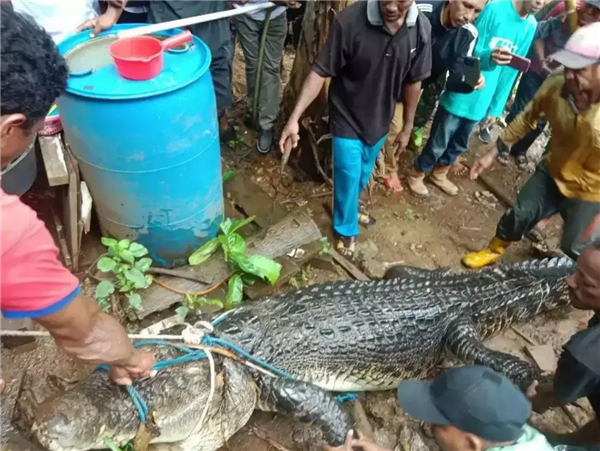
<point>213,384</point>
<point>43,333</point>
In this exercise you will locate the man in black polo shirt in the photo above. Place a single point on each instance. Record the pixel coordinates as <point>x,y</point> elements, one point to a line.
<point>453,38</point>
<point>578,372</point>
<point>377,53</point>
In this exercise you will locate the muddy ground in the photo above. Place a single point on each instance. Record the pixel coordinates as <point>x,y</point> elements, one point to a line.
<point>435,232</point>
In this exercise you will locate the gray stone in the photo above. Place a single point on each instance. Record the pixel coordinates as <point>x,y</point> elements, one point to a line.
<point>373,269</point>
<point>365,250</point>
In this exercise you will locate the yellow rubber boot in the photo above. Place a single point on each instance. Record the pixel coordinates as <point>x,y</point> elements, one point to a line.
<point>487,256</point>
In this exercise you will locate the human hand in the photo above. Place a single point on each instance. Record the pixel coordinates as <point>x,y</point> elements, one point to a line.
<point>482,164</point>
<point>347,446</point>
<point>532,390</point>
<point>402,140</point>
<point>99,24</point>
<point>481,83</point>
<point>139,365</point>
<point>290,132</point>
<point>501,56</point>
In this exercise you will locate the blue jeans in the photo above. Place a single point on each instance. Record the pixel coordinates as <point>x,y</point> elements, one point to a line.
<point>449,138</point>
<point>528,87</point>
<point>353,163</point>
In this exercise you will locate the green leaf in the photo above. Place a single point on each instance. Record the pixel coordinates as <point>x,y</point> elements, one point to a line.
<point>325,246</point>
<point>265,268</point>
<point>125,287</point>
<point>225,245</point>
<point>225,226</point>
<point>113,251</point>
<point>143,264</point>
<point>249,279</point>
<point>235,292</point>
<point>228,175</point>
<point>111,445</point>
<point>126,255</point>
<point>124,244</point>
<point>182,311</point>
<point>137,250</point>
<point>135,301</point>
<point>108,242</point>
<point>103,304</point>
<point>204,252</point>
<point>149,280</point>
<point>236,244</point>
<point>105,289</point>
<point>106,264</point>
<point>137,277</point>
<point>215,302</point>
<point>238,224</point>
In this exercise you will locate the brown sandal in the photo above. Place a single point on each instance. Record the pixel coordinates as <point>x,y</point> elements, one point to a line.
<point>345,246</point>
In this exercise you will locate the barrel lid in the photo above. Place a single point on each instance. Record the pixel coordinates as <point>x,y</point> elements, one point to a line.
<point>92,72</point>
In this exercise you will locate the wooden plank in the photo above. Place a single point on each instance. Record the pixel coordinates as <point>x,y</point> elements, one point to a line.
<point>73,230</point>
<point>349,267</point>
<point>294,231</point>
<point>53,153</point>
<point>62,241</point>
<point>544,357</point>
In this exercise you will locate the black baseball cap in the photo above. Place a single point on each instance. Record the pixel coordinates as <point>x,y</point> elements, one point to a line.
<point>474,399</point>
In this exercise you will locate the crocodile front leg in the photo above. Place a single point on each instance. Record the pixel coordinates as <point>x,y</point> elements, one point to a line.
<point>463,340</point>
<point>307,403</point>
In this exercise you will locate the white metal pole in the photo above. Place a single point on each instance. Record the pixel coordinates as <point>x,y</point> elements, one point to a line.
<point>148,29</point>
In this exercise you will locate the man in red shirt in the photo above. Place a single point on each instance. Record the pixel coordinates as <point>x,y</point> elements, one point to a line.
<point>33,283</point>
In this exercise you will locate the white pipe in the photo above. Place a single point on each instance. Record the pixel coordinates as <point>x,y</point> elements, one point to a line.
<point>149,29</point>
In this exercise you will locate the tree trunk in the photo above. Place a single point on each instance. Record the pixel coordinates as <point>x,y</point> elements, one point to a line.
<point>315,155</point>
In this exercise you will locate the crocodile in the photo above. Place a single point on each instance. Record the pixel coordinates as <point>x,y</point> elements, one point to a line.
<point>331,337</point>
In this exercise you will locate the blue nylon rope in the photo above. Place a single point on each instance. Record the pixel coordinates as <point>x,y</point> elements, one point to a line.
<point>190,355</point>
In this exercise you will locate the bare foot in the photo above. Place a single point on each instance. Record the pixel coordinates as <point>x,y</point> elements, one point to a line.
<point>458,168</point>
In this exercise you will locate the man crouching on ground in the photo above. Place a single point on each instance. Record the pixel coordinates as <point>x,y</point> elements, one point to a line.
<point>377,53</point>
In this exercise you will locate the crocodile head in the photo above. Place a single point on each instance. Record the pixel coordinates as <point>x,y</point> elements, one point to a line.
<point>84,417</point>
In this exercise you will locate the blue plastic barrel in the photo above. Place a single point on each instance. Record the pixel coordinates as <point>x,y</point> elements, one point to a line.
<point>148,150</point>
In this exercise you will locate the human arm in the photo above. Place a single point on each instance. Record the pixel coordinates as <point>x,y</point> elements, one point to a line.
<point>105,21</point>
<point>310,90</point>
<point>91,336</point>
<point>410,99</point>
<point>329,63</point>
<point>527,120</point>
<point>34,284</point>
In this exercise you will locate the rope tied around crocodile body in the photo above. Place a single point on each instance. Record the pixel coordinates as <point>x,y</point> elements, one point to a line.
<point>199,334</point>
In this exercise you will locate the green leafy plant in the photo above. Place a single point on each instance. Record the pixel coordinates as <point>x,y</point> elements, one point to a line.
<point>247,268</point>
<point>196,303</point>
<point>228,175</point>
<point>128,262</point>
<point>113,447</point>
<point>325,246</point>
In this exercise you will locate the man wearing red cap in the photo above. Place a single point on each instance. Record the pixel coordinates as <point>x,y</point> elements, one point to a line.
<point>568,180</point>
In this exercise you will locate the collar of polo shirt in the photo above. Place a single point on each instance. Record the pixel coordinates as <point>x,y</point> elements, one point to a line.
<point>375,17</point>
